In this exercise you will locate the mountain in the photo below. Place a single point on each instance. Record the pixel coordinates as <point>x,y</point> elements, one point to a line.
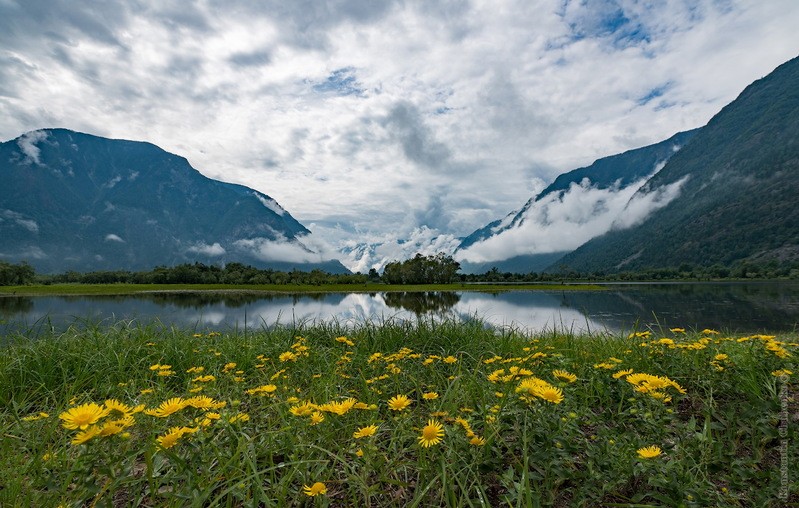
<point>73,201</point>
<point>738,191</point>
<point>616,173</point>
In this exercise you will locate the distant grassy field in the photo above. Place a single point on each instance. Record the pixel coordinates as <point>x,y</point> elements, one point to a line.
<point>124,289</point>
<point>398,414</point>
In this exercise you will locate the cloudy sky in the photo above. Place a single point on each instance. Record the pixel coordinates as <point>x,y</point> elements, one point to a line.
<point>377,120</point>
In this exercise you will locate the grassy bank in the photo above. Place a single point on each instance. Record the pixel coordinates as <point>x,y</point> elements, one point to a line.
<point>126,289</point>
<point>398,414</point>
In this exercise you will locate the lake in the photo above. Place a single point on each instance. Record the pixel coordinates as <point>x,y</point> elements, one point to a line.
<point>749,307</point>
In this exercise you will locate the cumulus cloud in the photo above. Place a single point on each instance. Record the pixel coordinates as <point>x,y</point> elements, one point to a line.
<point>270,203</point>
<point>27,143</point>
<point>303,250</point>
<point>207,250</point>
<point>562,222</point>
<point>376,113</point>
<point>111,237</point>
<point>20,220</point>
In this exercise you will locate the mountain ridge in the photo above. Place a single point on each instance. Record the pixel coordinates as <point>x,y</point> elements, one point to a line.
<point>75,201</point>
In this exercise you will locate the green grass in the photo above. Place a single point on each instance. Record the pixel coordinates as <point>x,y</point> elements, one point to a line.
<point>720,439</point>
<point>126,289</point>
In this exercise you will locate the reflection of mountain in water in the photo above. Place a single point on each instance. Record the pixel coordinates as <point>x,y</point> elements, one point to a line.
<point>422,302</point>
<point>726,306</point>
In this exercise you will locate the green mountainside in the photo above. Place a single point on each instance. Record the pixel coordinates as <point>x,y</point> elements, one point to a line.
<point>73,201</point>
<point>739,191</point>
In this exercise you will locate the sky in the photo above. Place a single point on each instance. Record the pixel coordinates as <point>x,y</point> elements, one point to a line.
<point>401,124</point>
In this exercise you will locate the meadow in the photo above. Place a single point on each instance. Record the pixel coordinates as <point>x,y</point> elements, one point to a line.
<point>398,414</point>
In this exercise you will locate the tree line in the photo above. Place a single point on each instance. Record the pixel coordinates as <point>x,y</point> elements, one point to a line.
<point>433,269</point>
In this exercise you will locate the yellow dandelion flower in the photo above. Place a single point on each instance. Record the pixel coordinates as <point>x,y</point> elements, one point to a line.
<point>551,394</point>
<point>477,441</point>
<point>430,396</point>
<point>677,330</point>
<point>261,390</point>
<point>239,417</point>
<point>82,416</point>
<point>317,417</point>
<point>86,435</point>
<point>168,407</point>
<point>38,416</point>
<point>304,409</point>
<point>720,357</point>
<point>174,434</point>
<point>146,391</point>
<point>776,373</point>
<point>288,356</point>
<point>367,431</point>
<point>316,489</point>
<point>399,402</point>
<point>622,373</point>
<point>345,340</point>
<point>449,359</point>
<point>204,379</point>
<point>432,434</point>
<point>708,331</point>
<point>359,452</point>
<point>563,375</point>
<point>649,452</point>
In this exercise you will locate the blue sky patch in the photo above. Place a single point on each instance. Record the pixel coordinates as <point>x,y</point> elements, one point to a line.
<point>340,82</point>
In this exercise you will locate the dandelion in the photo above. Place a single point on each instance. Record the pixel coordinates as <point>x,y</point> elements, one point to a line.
<point>82,416</point>
<point>86,435</point>
<point>172,437</point>
<point>229,366</point>
<point>367,431</point>
<point>551,394</point>
<point>316,489</point>
<point>317,417</point>
<point>262,390</point>
<point>563,375</point>
<point>33,418</point>
<point>649,452</point>
<point>288,356</point>
<point>345,340</point>
<point>449,359</point>
<point>720,357</point>
<point>677,330</point>
<point>776,373</point>
<point>622,373</point>
<point>432,434</point>
<point>430,396</point>
<point>239,417</point>
<point>204,379</point>
<point>168,407</point>
<point>146,391</point>
<point>477,441</point>
<point>399,402</point>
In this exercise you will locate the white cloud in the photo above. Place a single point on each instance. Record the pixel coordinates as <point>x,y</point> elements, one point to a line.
<point>111,237</point>
<point>304,250</point>
<point>387,116</point>
<point>559,223</point>
<point>270,203</point>
<point>27,143</point>
<point>20,220</point>
<point>207,250</point>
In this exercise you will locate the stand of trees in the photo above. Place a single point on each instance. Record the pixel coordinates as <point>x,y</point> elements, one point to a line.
<point>199,273</point>
<point>16,275</point>
<point>438,269</point>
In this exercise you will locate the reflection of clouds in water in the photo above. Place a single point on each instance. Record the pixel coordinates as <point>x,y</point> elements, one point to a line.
<point>539,312</point>
<point>352,308</point>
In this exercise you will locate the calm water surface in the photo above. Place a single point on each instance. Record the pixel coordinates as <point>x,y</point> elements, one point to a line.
<point>734,307</point>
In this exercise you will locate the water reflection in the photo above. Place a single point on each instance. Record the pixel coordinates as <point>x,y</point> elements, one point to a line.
<point>743,307</point>
<point>422,302</point>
